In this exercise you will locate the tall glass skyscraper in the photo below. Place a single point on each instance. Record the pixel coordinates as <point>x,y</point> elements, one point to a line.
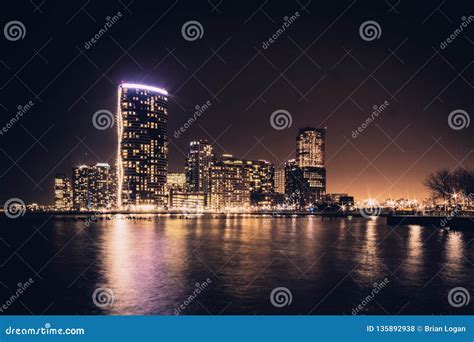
<point>80,188</point>
<point>305,182</point>
<point>62,192</point>
<point>310,147</point>
<point>259,177</point>
<point>101,186</point>
<point>142,163</point>
<point>229,188</point>
<point>198,164</point>
<point>93,187</point>
<point>280,181</point>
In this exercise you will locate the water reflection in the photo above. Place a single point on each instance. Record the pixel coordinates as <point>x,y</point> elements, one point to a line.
<point>135,258</point>
<point>370,268</point>
<point>152,265</point>
<point>454,255</point>
<point>415,257</point>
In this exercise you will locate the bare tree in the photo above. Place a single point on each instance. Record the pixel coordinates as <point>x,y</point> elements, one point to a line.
<point>464,181</point>
<point>440,183</point>
<point>444,183</point>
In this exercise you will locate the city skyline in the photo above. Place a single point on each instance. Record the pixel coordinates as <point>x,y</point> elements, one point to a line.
<point>213,182</point>
<point>309,156</point>
<point>235,88</point>
<point>222,158</point>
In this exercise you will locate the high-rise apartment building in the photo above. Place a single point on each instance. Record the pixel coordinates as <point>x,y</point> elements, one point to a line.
<point>228,185</point>
<point>62,192</point>
<point>142,163</point>
<point>306,176</point>
<point>259,177</point>
<point>310,147</point>
<point>101,187</point>
<point>198,164</point>
<point>175,182</point>
<point>280,181</point>
<point>80,188</point>
<point>94,187</point>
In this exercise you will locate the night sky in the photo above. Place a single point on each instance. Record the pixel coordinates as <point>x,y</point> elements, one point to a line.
<point>320,70</point>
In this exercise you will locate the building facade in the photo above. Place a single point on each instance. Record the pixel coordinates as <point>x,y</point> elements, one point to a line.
<point>280,181</point>
<point>187,201</point>
<point>310,147</point>
<point>198,165</point>
<point>62,192</point>
<point>259,177</point>
<point>142,163</point>
<point>94,187</point>
<point>176,181</point>
<point>229,188</point>
<point>340,199</point>
<point>80,188</point>
<point>102,191</point>
<point>305,176</point>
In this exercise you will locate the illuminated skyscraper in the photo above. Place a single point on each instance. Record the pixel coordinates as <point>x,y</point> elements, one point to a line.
<point>62,192</point>
<point>292,181</point>
<point>142,163</point>
<point>198,164</point>
<point>80,188</point>
<point>175,182</point>
<point>280,181</point>
<point>94,187</point>
<point>306,176</point>
<point>259,176</point>
<point>228,185</point>
<point>310,147</point>
<point>101,187</point>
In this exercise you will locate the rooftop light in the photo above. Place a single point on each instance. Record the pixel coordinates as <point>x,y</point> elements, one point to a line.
<point>144,86</point>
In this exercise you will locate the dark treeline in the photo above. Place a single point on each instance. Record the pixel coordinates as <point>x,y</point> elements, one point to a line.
<point>449,184</point>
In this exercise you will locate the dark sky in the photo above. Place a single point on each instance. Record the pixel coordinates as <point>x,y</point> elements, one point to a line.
<point>320,70</point>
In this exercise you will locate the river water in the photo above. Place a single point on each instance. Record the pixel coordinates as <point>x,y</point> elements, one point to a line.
<point>231,265</point>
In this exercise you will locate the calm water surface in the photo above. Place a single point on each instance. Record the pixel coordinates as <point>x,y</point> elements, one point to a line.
<point>152,267</point>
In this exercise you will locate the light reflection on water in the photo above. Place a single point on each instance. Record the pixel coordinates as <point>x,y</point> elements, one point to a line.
<point>152,266</point>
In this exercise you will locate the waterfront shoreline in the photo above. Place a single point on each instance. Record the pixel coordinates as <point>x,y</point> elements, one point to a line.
<point>441,220</point>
